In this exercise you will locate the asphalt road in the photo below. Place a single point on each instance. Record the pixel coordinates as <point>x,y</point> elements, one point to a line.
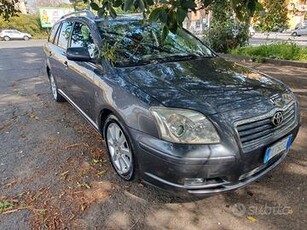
<point>268,38</point>
<point>55,173</point>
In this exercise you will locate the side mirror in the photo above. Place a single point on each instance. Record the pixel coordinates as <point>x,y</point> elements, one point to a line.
<point>78,54</point>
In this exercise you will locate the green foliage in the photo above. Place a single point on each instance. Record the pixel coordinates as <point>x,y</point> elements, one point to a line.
<point>171,13</point>
<point>273,17</point>
<point>25,23</point>
<point>5,205</point>
<point>79,4</point>
<point>226,31</point>
<point>282,51</point>
<point>7,8</point>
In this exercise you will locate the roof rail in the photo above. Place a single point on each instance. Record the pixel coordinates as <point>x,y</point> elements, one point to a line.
<point>86,13</point>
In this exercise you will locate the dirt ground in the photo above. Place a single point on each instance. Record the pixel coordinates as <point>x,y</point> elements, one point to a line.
<point>55,173</point>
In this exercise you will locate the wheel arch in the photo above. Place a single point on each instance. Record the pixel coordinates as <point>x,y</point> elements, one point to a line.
<point>103,115</point>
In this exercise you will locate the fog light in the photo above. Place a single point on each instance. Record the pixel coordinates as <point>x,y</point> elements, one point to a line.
<point>193,181</point>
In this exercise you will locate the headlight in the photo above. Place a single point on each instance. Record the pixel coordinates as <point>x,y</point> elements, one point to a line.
<point>184,126</point>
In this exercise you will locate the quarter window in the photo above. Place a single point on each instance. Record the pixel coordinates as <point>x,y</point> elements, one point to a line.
<point>53,33</point>
<point>64,34</point>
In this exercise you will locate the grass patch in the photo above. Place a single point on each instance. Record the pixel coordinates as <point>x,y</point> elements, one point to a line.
<point>5,205</point>
<point>281,51</point>
<point>25,23</point>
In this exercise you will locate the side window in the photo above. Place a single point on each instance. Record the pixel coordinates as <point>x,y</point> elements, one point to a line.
<point>64,34</point>
<point>81,37</point>
<point>53,33</point>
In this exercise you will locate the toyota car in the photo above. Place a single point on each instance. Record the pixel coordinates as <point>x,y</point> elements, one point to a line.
<point>172,112</point>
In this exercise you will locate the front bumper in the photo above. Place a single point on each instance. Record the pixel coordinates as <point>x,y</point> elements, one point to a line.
<point>223,168</point>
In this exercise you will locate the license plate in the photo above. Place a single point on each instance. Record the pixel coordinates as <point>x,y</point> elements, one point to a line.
<point>277,148</point>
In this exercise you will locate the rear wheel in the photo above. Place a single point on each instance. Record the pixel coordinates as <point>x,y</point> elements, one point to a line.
<point>7,38</point>
<point>294,34</point>
<point>54,89</point>
<point>26,38</point>
<point>119,148</point>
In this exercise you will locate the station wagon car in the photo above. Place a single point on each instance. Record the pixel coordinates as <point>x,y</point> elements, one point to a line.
<point>172,113</point>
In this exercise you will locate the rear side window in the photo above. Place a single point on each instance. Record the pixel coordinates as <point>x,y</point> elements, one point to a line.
<point>64,34</point>
<point>53,33</point>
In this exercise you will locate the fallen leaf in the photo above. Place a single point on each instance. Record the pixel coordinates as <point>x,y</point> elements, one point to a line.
<point>95,161</point>
<point>72,146</point>
<point>290,211</point>
<point>64,173</point>
<point>251,219</point>
<point>101,172</point>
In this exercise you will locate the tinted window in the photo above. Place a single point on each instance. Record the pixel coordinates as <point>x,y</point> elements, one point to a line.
<point>81,37</point>
<point>64,34</point>
<point>53,33</point>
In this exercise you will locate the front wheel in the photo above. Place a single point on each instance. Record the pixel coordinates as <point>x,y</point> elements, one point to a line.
<point>54,89</point>
<point>119,148</point>
<point>294,34</point>
<point>26,38</point>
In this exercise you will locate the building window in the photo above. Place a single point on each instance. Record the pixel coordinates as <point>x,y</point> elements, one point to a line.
<point>197,24</point>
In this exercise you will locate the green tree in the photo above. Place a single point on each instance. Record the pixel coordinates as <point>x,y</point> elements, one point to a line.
<point>8,8</point>
<point>79,4</point>
<point>274,17</point>
<point>171,13</point>
<point>229,29</point>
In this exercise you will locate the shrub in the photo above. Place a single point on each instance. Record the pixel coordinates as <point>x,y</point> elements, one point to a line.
<point>282,51</point>
<point>226,31</point>
<point>25,23</point>
<point>226,36</point>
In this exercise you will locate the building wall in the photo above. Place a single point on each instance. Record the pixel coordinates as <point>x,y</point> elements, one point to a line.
<point>197,22</point>
<point>297,10</point>
<point>22,6</point>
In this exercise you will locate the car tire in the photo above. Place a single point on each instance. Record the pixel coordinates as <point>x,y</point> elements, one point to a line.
<point>294,34</point>
<point>26,38</point>
<point>54,89</point>
<point>119,148</point>
<point>6,38</point>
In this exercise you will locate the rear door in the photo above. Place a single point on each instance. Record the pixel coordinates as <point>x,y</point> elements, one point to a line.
<point>57,55</point>
<point>17,34</point>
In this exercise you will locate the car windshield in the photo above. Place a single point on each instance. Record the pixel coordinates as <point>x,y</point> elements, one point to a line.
<point>136,43</point>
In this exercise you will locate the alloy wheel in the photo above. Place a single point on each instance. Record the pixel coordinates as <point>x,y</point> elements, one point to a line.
<point>119,149</point>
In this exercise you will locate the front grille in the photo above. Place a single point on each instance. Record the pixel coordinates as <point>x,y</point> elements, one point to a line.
<point>257,131</point>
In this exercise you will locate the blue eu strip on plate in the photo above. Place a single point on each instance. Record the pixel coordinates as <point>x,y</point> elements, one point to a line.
<point>277,148</point>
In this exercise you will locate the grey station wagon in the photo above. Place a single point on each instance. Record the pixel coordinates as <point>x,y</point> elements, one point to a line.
<point>172,113</point>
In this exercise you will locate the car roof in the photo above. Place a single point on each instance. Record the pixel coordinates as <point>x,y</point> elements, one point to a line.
<point>86,15</point>
<point>123,17</point>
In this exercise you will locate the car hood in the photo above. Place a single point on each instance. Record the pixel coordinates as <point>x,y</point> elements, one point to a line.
<point>210,85</point>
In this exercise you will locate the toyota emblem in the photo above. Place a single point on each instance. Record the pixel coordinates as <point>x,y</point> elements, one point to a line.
<point>277,118</point>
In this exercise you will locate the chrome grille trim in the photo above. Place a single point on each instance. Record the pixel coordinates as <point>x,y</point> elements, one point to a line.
<point>256,131</point>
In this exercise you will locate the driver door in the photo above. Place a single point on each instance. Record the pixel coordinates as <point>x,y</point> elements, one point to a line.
<point>80,74</point>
